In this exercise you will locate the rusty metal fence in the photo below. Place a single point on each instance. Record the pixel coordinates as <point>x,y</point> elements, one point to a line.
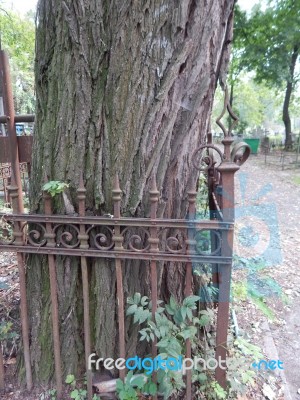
<point>5,180</point>
<point>121,238</point>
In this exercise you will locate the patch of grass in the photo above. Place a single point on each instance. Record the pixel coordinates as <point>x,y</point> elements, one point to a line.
<point>239,290</point>
<point>296,180</point>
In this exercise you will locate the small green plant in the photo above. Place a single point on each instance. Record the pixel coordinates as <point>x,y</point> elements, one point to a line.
<point>241,354</point>
<point>296,180</point>
<point>172,325</point>
<point>258,285</point>
<point>77,393</point>
<point>131,387</point>
<point>55,187</point>
<point>202,197</point>
<point>6,332</point>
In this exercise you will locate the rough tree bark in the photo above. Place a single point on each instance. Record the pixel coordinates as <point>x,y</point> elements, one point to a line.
<point>287,98</point>
<point>122,86</point>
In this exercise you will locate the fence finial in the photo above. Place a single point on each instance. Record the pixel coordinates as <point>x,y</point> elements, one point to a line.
<point>81,182</point>
<point>153,197</point>
<point>116,192</point>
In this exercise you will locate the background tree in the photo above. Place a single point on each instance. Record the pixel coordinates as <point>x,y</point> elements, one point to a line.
<point>17,38</point>
<point>121,87</point>
<point>268,43</point>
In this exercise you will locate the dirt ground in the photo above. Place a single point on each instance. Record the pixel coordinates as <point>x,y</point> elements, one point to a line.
<point>268,211</point>
<point>276,195</point>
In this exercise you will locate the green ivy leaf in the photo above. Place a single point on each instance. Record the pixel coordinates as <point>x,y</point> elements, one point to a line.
<point>131,310</point>
<point>119,384</point>
<point>74,394</point>
<point>137,298</point>
<point>70,379</point>
<point>137,381</point>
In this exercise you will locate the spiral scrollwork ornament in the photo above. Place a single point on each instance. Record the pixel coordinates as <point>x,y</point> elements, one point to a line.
<point>206,156</point>
<point>67,235</point>
<point>174,242</point>
<point>136,241</point>
<point>204,239</point>
<point>101,237</point>
<point>240,153</point>
<point>36,234</point>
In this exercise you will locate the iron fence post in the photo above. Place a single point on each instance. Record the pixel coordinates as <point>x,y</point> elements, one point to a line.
<point>118,239</point>
<point>54,294</point>
<point>227,169</point>
<point>83,237</point>
<point>154,241</point>
<point>10,119</point>
<point>18,234</point>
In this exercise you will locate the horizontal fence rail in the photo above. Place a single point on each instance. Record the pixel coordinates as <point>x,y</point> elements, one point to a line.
<point>62,236</point>
<point>55,234</point>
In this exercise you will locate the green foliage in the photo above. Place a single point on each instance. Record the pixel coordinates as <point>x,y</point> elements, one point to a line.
<point>77,393</point>
<point>172,325</point>
<point>202,197</point>
<point>55,187</point>
<point>296,180</point>
<point>268,39</point>
<point>6,332</point>
<point>131,387</point>
<point>257,286</point>
<point>267,43</point>
<point>239,374</point>
<point>17,38</point>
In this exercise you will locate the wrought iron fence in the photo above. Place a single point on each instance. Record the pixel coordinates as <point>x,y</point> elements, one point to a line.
<point>5,179</point>
<point>122,238</point>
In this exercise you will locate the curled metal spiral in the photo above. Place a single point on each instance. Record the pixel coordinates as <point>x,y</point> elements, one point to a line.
<point>174,243</point>
<point>66,237</point>
<point>135,241</point>
<point>202,162</point>
<point>240,153</point>
<point>36,235</point>
<point>203,242</point>
<point>102,240</point>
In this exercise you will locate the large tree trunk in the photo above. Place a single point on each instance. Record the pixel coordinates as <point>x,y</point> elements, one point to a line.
<point>127,87</point>
<point>286,104</point>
